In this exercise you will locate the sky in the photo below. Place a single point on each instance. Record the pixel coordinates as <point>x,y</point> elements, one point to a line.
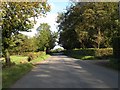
<point>56,6</point>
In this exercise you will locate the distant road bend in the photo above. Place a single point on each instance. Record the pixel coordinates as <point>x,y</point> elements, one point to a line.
<point>60,71</point>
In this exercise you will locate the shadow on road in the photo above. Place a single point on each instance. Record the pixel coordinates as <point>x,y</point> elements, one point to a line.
<point>60,71</point>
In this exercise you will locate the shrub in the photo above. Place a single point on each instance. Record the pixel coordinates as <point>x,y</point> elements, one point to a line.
<point>116,47</point>
<point>91,52</point>
<point>25,53</point>
<point>104,52</point>
<point>30,57</point>
<point>33,55</point>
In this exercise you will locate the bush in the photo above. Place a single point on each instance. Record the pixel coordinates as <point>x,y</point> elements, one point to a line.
<point>104,52</point>
<point>33,55</point>
<point>91,52</point>
<point>116,47</point>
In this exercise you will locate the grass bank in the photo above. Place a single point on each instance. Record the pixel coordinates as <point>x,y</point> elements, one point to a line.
<point>90,53</point>
<point>22,66</point>
<point>95,54</point>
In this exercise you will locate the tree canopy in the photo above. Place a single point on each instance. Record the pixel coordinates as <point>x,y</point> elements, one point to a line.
<point>46,38</point>
<point>16,17</point>
<point>92,24</point>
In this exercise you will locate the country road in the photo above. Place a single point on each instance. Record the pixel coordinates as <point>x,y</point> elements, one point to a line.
<point>60,71</point>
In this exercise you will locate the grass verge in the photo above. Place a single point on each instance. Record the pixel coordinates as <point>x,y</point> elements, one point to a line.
<point>17,59</point>
<point>41,58</point>
<point>109,64</point>
<point>12,74</point>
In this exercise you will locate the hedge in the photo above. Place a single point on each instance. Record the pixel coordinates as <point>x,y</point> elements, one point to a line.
<point>104,52</point>
<point>91,52</point>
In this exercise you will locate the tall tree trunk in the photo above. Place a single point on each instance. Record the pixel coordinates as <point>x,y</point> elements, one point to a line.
<point>99,37</point>
<point>47,50</point>
<point>7,58</point>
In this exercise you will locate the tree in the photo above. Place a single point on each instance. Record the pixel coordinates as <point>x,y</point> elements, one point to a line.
<point>17,41</point>
<point>93,24</point>
<point>46,39</point>
<point>0,42</point>
<point>15,18</point>
<point>21,43</point>
<point>96,16</point>
<point>68,36</point>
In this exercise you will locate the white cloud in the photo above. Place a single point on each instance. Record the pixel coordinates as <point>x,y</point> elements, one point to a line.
<point>50,19</point>
<point>59,0</point>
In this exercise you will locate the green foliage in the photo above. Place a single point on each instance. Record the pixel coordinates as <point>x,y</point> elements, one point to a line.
<point>90,53</point>
<point>16,17</point>
<point>88,58</point>
<point>69,39</point>
<point>18,59</point>
<point>104,52</point>
<point>31,57</point>
<point>89,25</point>
<point>40,58</point>
<point>116,47</point>
<point>0,42</point>
<point>12,74</point>
<point>22,44</point>
<point>34,55</point>
<point>45,38</point>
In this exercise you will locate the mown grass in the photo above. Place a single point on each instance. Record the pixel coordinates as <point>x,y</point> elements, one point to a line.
<point>17,59</point>
<point>12,74</point>
<point>41,58</point>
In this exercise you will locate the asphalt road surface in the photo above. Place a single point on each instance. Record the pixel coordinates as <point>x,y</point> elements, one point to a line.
<point>60,71</point>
